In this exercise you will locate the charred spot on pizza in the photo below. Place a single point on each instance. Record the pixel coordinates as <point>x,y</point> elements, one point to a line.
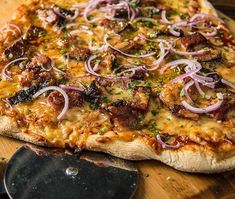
<point>26,94</point>
<point>17,49</point>
<point>55,15</point>
<point>93,93</point>
<point>34,33</point>
<point>62,11</point>
<point>122,113</point>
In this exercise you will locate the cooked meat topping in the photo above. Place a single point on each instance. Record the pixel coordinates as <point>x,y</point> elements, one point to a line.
<point>141,96</point>
<point>56,100</point>
<point>93,93</point>
<point>38,70</point>
<point>180,111</point>
<point>26,94</point>
<point>209,55</point>
<point>48,16</point>
<point>122,113</point>
<point>193,40</point>
<point>16,50</point>
<point>117,27</point>
<point>80,54</point>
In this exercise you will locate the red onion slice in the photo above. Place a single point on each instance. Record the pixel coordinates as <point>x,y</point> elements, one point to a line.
<point>11,25</point>
<point>56,69</point>
<point>185,90</point>
<point>176,26</point>
<point>199,88</point>
<point>123,53</point>
<point>75,32</point>
<point>91,6</point>
<point>66,98</point>
<point>89,68</point>
<point>66,87</point>
<point>4,70</point>
<point>144,19</point>
<point>211,34</point>
<point>101,48</point>
<point>164,20</point>
<point>162,55</point>
<point>200,52</point>
<point>206,109</point>
<point>228,83</point>
<point>187,74</point>
<point>175,63</point>
<point>203,16</point>
<point>167,146</point>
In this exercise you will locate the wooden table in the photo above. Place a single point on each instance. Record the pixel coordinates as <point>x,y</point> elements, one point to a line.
<point>156,180</point>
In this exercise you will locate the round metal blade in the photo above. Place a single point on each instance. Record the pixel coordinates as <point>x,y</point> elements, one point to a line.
<point>64,176</point>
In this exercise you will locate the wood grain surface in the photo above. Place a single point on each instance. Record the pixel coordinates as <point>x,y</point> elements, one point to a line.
<point>157,181</point>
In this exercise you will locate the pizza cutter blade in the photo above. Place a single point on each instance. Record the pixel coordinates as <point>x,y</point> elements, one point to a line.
<point>45,173</point>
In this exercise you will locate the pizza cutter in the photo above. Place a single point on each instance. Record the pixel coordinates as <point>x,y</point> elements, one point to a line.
<point>58,174</point>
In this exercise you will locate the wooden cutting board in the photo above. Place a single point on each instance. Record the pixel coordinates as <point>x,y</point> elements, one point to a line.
<point>157,181</point>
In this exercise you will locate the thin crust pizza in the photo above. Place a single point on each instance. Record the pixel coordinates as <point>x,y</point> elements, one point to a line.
<point>138,79</point>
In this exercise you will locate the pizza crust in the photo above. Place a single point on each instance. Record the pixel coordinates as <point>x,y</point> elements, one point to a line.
<point>207,7</point>
<point>190,158</point>
<point>9,128</point>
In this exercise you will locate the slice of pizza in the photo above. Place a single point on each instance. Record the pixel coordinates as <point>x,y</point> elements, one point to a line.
<point>138,79</point>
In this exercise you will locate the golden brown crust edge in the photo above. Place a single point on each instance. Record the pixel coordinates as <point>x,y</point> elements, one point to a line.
<point>192,158</point>
<point>188,158</point>
<point>8,127</point>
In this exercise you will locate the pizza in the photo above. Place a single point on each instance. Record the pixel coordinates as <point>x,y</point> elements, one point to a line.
<point>138,79</point>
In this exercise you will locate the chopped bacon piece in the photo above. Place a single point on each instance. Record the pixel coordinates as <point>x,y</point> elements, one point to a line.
<point>193,40</point>
<point>81,54</point>
<point>56,100</point>
<point>38,70</point>
<point>122,113</point>
<point>141,96</point>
